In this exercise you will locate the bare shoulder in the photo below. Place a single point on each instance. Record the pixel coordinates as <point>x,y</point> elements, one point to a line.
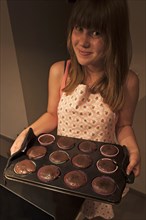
<point>54,84</point>
<point>131,94</point>
<point>131,91</point>
<point>57,69</point>
<point>132,81</point>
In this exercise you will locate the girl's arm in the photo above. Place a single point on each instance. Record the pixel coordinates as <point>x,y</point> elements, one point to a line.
<point>124,131</point>
<point>48,121</point>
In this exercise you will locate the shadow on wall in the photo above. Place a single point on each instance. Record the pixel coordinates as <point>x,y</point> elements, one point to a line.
<point>140,128</point>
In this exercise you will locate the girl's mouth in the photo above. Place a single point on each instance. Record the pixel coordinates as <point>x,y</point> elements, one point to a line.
<point>84,53</point>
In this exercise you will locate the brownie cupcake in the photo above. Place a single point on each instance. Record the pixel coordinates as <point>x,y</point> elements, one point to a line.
<point>48,173</point>
<point>65,143</point>
<point>24,167</point>
<point>106,165</point>
<point>82,160</point>
<point>109,150</point>
<point>104,185</point>
<point>75,179</point>
<point>87,146</point>
<point>36,152</point>
<point>58,157</point>
<point>46,139</point>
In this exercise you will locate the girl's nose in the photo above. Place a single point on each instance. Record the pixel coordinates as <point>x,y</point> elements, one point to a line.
<point>84,40</point>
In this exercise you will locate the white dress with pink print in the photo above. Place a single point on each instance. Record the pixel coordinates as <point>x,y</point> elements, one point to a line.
<point>85,115</point>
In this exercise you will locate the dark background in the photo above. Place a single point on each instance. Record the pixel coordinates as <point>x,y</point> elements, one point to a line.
<point>40,31</point>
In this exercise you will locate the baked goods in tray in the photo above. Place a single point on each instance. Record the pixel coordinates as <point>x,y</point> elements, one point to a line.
<point>65,143</point>
<point>87,146</point>
<point>47,173</point>
<point>104,185</point>
<point>109,150</point>
<point>75,179</point>
<point>90,174</point>
<point>24,167</point>
<point>82,160</point>
<point>106,165</point>
<point>36,152</point>
<point>46,139</point>
<point>58,157</point>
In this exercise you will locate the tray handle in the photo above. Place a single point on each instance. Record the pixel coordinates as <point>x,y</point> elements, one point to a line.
<point>29,137</point>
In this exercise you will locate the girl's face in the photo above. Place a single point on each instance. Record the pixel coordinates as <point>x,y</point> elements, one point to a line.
<point>88,46</point>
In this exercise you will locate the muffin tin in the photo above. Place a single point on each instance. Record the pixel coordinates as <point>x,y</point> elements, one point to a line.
<point>86,191</point>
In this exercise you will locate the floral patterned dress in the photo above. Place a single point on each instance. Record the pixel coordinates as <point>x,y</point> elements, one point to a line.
<point>85,115</point>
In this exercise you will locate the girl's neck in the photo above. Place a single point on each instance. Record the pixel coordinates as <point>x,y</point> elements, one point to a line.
<point>93,75</point>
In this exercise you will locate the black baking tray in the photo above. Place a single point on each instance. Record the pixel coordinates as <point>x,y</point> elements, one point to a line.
<point>58,184</point>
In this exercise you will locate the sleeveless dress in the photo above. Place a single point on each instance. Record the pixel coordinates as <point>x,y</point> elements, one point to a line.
<point>85,115</point>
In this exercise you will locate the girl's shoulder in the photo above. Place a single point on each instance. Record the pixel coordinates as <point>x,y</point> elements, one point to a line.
<point>59,73</point>
<point>57,68</point>
<point>132,80</point>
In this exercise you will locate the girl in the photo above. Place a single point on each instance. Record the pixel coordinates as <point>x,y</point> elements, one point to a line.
<point>96,97</point>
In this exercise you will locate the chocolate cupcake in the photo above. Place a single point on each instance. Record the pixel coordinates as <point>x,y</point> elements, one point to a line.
<point>48,173</point>
<point>24,167</point>
<point>75,179</point>
<point>106,165</point>
<point>109,150</point>
<point>46,139</point>
<point>82,160</point>
<point>87,146</point>
<point>36,152</point>
<point>65,143</point>
<point>58,157</point>
<point>104,185</point>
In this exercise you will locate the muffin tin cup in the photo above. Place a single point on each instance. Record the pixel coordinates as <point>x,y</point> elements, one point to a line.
<point>102,169</point>
<point>86,191</point>
<point>42,139</point>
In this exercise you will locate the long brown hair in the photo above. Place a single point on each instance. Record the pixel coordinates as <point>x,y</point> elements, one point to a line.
<point>111,18</point>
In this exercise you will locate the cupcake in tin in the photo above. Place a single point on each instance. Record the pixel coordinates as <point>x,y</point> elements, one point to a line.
<point>109,150</point>
<point>36,152</point>
<point>82,160</point>
<point>48,172</point>
<point>58,157</point>
<point>75,179</point>
<point>46,139</point>
<point>24,167</point>
<point>104,185</point>
<point>106,165</point>
<point>87,146</point>
<point>65,143</point>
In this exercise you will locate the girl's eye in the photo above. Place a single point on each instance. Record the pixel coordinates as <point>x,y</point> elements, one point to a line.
<point>78,28</point>
<point>95,33</point>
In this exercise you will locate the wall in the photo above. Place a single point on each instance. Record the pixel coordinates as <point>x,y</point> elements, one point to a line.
<point>33,37</point>
<point>138,34</point>
<point>39,32</point>
<point>13,116</point>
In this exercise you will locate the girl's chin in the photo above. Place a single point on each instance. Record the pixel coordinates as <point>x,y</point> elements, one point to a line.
<point>83,61</point>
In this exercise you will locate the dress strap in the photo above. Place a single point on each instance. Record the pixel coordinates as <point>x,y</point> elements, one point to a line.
<point>66,69</point>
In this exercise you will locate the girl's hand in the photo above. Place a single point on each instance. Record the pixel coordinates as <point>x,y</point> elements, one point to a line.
<point>134,163</point>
